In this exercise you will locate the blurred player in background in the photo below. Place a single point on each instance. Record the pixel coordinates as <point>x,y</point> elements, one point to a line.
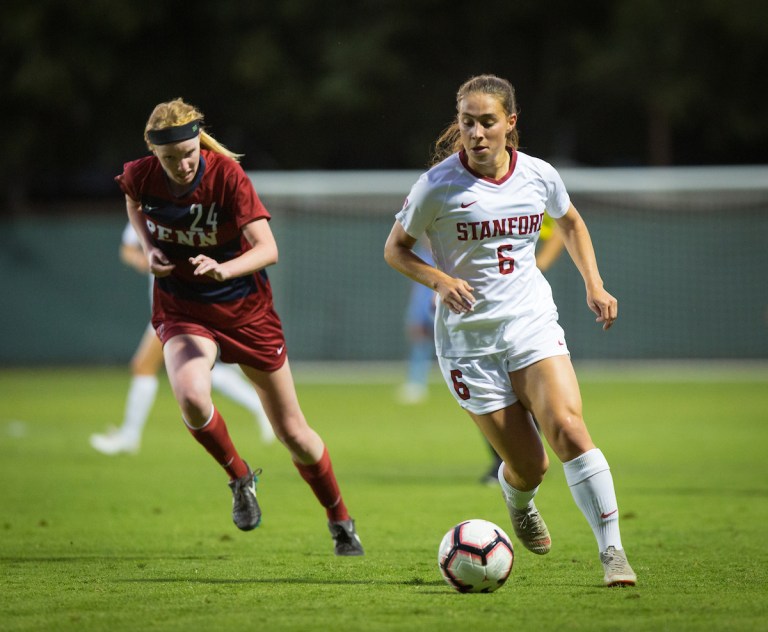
<point>420,332</point>
<point>500,348</point>
<point>145,365</point>
<point>207,240</point>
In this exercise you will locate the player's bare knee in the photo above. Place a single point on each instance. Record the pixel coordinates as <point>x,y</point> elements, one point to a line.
<point>195,407</point>
<point>293,433</point>
<point>568,435</point>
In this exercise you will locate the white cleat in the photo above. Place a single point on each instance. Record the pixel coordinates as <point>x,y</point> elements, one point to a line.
<point>618,572</point>
<point>114,442</point>
<point>530,529</point>
<point>412,393</point>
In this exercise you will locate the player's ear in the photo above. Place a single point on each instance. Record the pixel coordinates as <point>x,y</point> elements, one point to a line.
<point>511,122</point>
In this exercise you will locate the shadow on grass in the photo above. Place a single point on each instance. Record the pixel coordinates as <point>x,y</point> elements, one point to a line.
<point>110,558</point>
<point>281,580</point>
<point>79,559</point>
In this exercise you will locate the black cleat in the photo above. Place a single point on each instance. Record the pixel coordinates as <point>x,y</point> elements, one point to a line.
<point>246,513</point>
<point>345,538</point>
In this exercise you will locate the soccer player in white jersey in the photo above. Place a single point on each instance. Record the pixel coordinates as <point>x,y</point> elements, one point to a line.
<point>499,345</point>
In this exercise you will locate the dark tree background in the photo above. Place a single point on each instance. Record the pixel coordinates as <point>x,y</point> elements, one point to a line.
<point>368,84</point>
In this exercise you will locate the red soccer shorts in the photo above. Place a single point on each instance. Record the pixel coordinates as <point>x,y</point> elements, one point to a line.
<point>259,344</point>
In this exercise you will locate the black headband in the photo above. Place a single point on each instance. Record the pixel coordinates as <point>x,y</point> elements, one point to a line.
<point>176,134</point>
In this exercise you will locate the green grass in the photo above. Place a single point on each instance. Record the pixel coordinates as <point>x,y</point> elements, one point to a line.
<point>146,542</point>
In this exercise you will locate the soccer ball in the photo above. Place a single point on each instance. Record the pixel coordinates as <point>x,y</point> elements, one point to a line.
<point>475,556</point>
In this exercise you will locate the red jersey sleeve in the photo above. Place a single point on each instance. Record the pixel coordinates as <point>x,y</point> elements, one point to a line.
<point>130,180</point>
<point>247,205</point>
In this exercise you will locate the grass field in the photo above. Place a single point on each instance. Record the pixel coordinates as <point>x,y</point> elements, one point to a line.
<point>146,542</point>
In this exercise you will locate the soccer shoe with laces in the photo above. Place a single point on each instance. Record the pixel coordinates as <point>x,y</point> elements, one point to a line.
<point>246,513</point>
<point>345,539</point>
<point>530,529</point>
<point>114,442</point>
<point>618,572</point>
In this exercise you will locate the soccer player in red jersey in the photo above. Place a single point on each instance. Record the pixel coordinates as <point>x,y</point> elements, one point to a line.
<point>206,236</point>
<point>146,363</point>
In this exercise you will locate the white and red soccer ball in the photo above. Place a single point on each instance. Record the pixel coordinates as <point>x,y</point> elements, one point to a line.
<point>476,556</point>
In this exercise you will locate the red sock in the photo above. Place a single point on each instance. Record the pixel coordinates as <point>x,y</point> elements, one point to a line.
<point>214,437</point>
<point>322,480</point>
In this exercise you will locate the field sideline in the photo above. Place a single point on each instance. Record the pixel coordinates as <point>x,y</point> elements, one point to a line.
<point>146,542</point>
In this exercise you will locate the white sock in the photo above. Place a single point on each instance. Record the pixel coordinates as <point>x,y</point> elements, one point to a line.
<point>138,403</point>
<point>230,381</point>
<point>591,483</point>
<point>514,497</point>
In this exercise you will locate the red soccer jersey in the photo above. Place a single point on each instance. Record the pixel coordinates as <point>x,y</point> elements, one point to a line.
<point>208,220</point>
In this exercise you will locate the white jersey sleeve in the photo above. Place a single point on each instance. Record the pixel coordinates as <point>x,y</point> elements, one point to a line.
<point>558,199</point>
<point>419,209</point>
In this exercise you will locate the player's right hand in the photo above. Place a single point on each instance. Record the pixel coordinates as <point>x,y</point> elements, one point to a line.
<point>456,295</point>
<point>159,265</point>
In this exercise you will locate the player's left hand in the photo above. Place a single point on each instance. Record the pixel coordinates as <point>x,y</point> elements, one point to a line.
<point>604,305</point>
<point>205,266</point>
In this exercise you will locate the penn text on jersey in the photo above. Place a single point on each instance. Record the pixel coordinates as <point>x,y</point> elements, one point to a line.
<point>191,237</point>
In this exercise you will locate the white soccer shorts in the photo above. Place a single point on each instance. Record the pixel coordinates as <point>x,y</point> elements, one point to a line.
<point>481,384</point>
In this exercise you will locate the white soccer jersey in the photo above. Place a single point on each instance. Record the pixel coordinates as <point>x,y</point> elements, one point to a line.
<point>485,231</point>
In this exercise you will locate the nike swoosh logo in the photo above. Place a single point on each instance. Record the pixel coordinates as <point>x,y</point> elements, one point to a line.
<point>280,349</point>
<point>463,205</point>
<point>608,515</point>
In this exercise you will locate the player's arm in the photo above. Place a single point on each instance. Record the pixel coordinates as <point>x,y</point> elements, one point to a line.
<point>579,245</point>
<point>157,262</point>
<point>398,253</point>
<point>262,253</point>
